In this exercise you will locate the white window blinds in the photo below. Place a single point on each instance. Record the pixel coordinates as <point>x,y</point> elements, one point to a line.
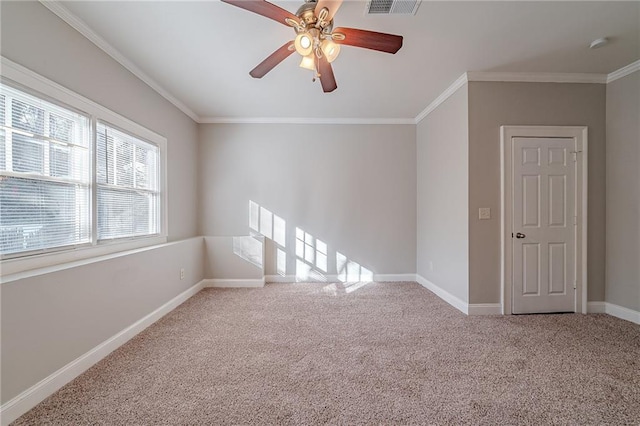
<point>127,170</point>
<point>45,174</point>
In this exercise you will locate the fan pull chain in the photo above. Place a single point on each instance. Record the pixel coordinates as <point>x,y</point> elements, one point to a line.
<point>316,74</point>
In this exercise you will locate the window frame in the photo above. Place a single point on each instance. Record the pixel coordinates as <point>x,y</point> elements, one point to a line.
<point>23,79</point>
<point>94,194</point>
<point>49,178</point>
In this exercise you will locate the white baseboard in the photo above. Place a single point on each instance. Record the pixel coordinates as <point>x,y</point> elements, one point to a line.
<point>336,278</point>
<point>234,283</point>
<point>287,279</point>
<point>614,310</point>
<point>484,309</point>
<point>454,301</point>
<point>31,397</point>
<point>623,313</point>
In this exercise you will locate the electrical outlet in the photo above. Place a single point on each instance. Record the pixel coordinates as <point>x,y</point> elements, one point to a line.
<point>430,265</point>
<point>182,273</point>
<point>484,213</point>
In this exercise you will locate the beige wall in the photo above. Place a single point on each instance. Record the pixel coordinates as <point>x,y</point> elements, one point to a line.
<point>492,105</point>
<point>623,192</point>
<point>352,186</point>
<point>51,319</point>
<point>442,196</point>
<point>35,38</point>
<point>233,258</point>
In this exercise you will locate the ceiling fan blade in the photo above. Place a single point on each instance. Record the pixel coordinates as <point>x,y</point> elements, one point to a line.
<point>327,79</point>
<point>382,42</point>
<point>264,8</point>
<point>331,5</point>
<point>272,60</point>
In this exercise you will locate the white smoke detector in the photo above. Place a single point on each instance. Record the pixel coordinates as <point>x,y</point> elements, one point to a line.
<point>598,42</point>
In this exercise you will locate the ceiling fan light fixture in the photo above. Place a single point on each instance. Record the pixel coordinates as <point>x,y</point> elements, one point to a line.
<point>330,49</point>
<point>304,43</point>
<point>315,39</point>
<point>308,62</point>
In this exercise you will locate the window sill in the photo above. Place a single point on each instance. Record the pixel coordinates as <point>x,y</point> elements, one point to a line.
<point>13,269</point>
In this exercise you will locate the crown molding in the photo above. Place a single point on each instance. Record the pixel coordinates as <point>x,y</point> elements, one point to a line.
<point>537,77</point>
<point>461,81</point>
<point>624,71</point>
<point>524,77</point>
<point>79,25</point>
<point>75,22</point>
<point>303,120</point>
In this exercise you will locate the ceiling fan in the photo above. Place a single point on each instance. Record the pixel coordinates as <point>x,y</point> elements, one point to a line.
<point>316,39</point>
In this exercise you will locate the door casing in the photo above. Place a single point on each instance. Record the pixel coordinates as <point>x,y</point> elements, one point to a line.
<point>579,134</point>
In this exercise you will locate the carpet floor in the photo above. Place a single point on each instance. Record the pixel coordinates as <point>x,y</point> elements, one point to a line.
<point>381,353</point>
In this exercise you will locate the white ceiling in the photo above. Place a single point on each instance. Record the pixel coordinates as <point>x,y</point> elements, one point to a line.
<point>201,52</point>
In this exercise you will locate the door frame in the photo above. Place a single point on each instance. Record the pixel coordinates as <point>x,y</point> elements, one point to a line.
<point>579,135</point>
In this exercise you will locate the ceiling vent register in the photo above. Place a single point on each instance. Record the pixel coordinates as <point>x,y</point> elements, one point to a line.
<point>392,7</point>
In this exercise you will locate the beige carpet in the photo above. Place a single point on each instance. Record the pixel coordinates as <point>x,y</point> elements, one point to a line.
<point>381,354</point>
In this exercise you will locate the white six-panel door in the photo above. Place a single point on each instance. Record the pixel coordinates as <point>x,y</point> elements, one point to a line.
<point>543,221</point>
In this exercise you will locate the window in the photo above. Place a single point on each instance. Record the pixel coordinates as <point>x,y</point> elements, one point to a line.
<point>127,177</point>
<point>45,175</point>
<point>71,180</point>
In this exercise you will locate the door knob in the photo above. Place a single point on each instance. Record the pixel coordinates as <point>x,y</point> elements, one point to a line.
<point>520,235</point>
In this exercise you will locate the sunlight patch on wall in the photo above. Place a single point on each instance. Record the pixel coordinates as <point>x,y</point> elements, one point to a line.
<point>312,250</point>
<point>264,222</point>
<point>350,271</point>
<point>281,262</point>
<point>249,249</point>
<point>254,216</point>
<point>311,254</point>
<point>279,231</point>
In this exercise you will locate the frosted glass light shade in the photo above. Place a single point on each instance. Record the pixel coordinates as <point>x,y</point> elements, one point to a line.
<point>303,44</point>
<point>330,49</point>
<point>308,62</point>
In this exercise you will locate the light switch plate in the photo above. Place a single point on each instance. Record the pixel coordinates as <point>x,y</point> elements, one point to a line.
<point>484,213</point>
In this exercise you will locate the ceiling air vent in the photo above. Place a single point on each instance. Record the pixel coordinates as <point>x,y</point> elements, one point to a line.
<point>392,7</point>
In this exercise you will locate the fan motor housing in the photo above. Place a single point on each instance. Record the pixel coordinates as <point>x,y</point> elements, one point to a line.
<point>307,15</point>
